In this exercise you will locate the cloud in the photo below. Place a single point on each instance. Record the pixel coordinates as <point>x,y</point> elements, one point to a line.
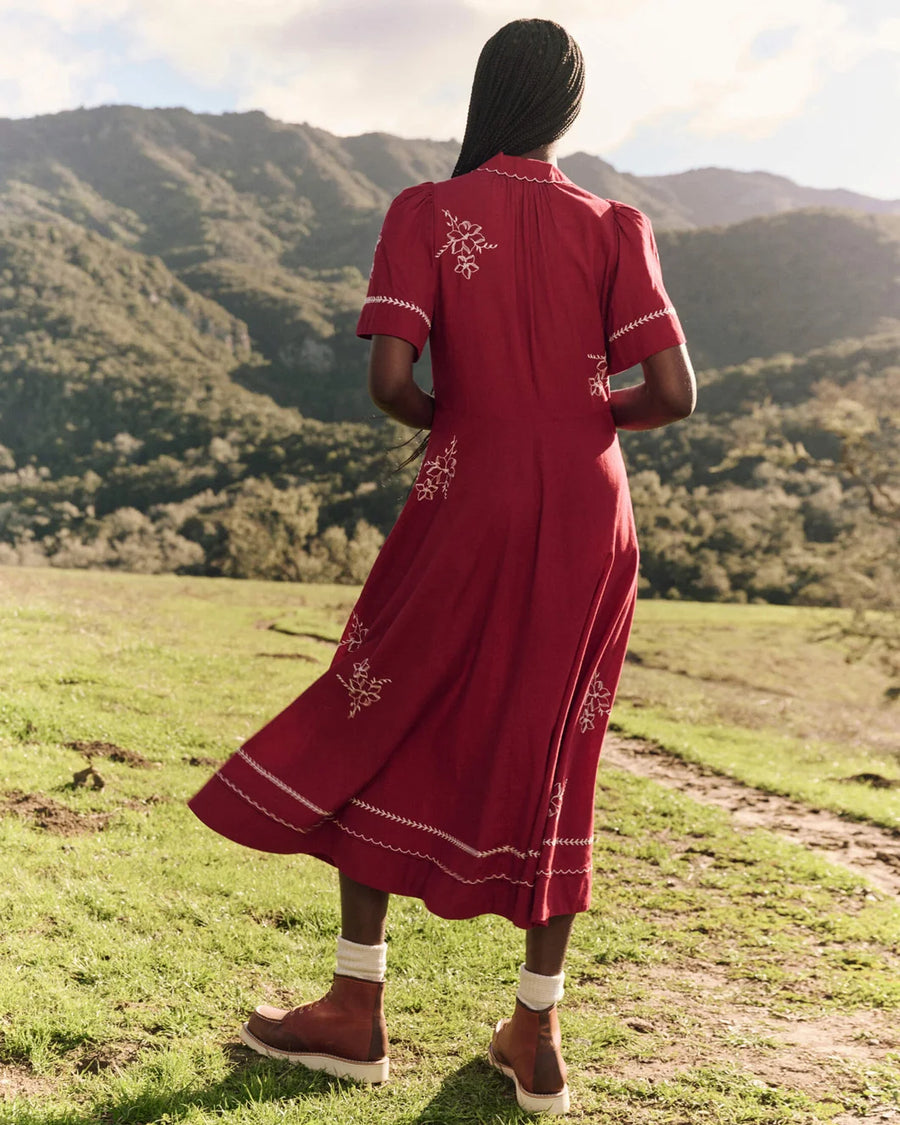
<point>405,66</point>
<point>697,59</point>
<point>39,74</point>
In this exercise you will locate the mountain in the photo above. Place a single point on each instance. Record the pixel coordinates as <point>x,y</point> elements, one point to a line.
<point>707,197</point>
<point>717,196</point>
<point>169,178</point>
<point>783,283</point>
<point>126,439</point>
<point>181,387</point>
<point>275,223</point>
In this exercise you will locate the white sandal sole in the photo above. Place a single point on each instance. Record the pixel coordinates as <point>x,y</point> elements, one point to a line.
<point>372,1072</point>
<point>533,1103</point>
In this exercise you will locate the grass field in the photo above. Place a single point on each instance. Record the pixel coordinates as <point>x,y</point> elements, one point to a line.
<point>751,692</point>
<point>721,976</point>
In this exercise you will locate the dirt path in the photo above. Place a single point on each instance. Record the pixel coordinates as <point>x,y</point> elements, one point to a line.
<point>693,1016</point>
<point>823,1054</point>
<point>864,849</point>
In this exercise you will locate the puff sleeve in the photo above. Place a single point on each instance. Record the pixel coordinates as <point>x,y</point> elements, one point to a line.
<point>400,300</point>
<point>641,319</point>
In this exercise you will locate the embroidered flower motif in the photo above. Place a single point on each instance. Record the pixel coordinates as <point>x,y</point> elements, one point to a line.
<point>356,633</point>
<point>556,799</point>
<point>437,473</point>
<point>466,265</point>
<point>597,702</point>
<point>364,689</point>
<point>599,381</point>
<point>465,239</point>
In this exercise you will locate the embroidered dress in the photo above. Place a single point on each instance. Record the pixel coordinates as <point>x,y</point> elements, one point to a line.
<point>450,752</point>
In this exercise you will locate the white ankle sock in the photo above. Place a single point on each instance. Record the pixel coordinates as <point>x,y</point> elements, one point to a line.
<point>365,962</point>
<point>538,992</point>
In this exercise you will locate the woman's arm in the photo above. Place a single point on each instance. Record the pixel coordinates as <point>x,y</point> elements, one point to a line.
<point>392,386</point>
<point>668,392</point>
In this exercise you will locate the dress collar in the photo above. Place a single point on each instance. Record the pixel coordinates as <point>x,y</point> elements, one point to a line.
<point>523,168</point>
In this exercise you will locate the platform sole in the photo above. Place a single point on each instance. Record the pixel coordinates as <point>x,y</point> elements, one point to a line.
<point>532,1103</point>
<point>372,1072</point>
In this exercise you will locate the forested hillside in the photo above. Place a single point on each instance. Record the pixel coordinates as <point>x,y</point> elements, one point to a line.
<point>768,492</point>
<point>181,387</point>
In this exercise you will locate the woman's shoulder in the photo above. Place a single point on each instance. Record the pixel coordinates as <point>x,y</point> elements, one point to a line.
<point>411,198</point>
<point>629,219</point>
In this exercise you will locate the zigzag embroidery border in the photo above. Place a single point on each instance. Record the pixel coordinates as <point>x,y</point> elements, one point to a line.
<point>441,834</point>
<point>546,873</point>
<point>400,304</point>
<point>553,841</point>
<point>667,311</point>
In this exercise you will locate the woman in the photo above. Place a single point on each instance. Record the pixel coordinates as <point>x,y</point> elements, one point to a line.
<point>451,750</point>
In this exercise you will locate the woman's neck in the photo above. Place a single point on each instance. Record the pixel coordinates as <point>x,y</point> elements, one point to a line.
<point>547,153</point>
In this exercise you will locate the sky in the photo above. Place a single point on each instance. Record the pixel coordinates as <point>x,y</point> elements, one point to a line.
<point>809,89</point>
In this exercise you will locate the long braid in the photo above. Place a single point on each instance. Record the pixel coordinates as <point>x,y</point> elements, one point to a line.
<point>527,92</point>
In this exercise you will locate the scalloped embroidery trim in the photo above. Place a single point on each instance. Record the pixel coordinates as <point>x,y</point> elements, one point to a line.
<point>552,841</point>
<point>545,872</point>
<point>524,179</point>
<point>667,311</point>
<point>409,305</point>
<point>439,832</point>
<point>266,812</point>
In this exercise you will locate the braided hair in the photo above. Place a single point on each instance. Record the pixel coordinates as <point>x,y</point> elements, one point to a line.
<point>527,92</point>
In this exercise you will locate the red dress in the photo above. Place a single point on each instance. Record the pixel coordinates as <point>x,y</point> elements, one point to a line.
<point>450,751</point>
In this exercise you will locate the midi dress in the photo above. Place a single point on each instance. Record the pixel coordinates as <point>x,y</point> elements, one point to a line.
<point>450,751</point>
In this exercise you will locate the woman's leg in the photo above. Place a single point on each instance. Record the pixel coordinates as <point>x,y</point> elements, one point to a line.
<point>344,1033</point>
<point>545,946</point>
<point>363,912</point>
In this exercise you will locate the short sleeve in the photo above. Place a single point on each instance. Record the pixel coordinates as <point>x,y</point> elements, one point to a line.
<point>400,300</point>
<point>641,318</point>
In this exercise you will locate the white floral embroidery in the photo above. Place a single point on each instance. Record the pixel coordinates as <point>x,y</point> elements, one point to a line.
<point>364,689</point>
<point>400,304</point>
<point>466,265</point>
<point>597,702</point>
<point>556,799</point>
<point>437,473</point>
<point>356,633</point>
<point>667,311</point>
<point>599,381</point>
<point>465,240</point>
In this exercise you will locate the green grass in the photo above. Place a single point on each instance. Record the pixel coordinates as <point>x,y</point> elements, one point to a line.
<point>130,955</point>
<point>751,692</point>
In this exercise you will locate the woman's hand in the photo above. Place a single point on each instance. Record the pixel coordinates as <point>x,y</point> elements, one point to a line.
<point>392,386</point>
<point>668,392</point>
